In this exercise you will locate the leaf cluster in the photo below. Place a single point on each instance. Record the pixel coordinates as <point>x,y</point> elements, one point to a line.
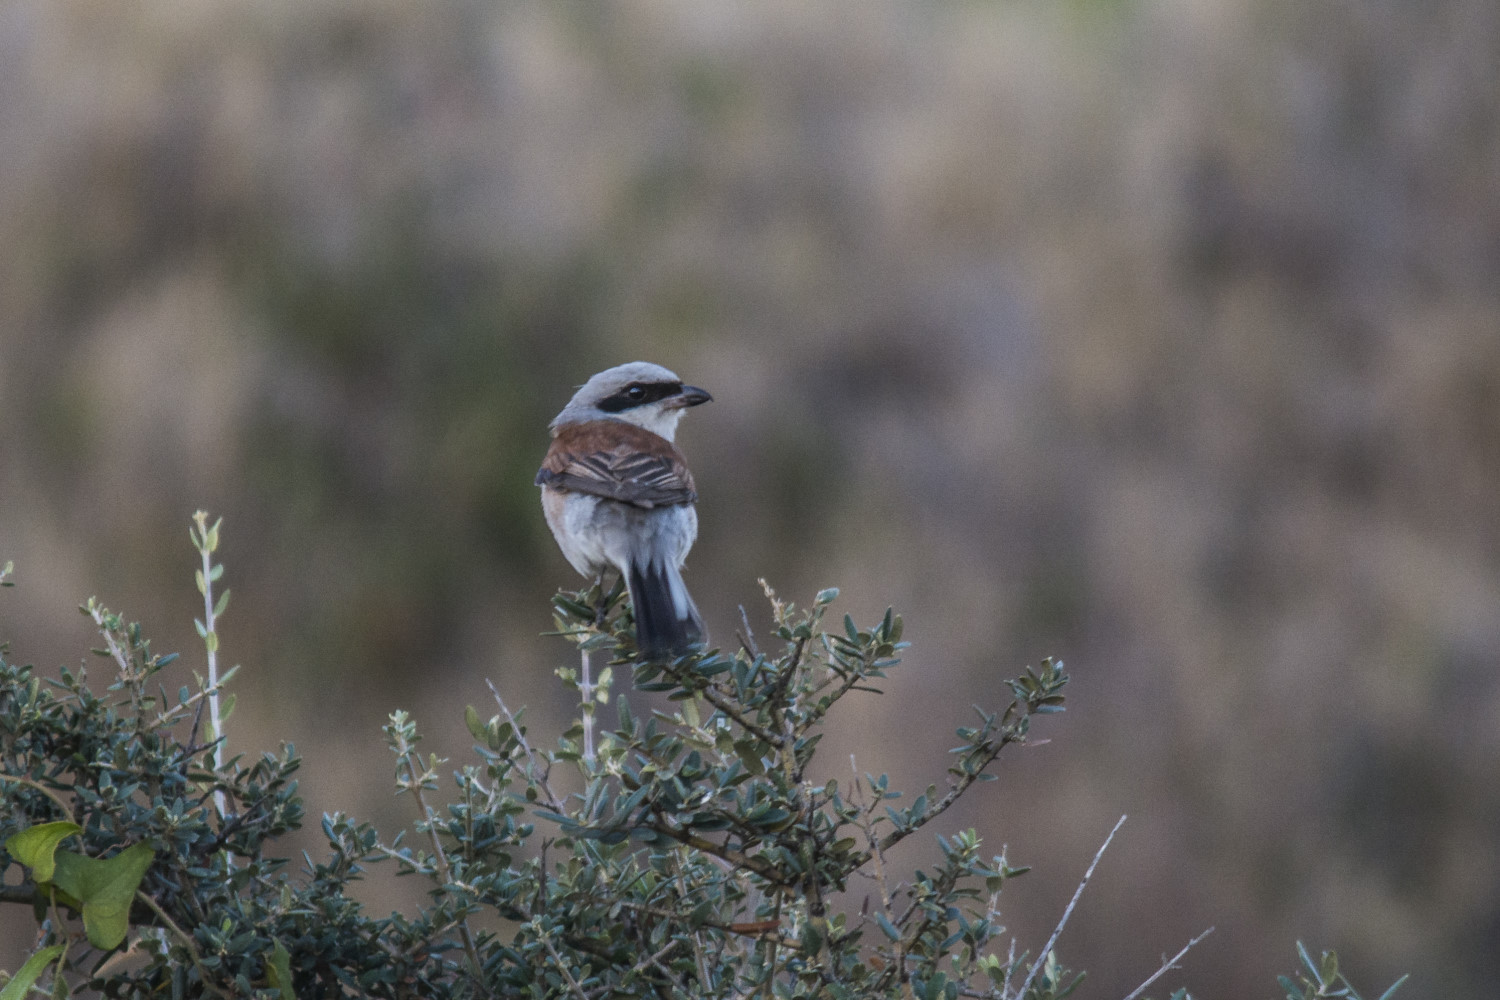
<point>702,853</point>
<point>699,858</point>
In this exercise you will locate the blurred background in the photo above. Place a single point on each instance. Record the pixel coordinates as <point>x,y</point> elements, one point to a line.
<point>1161,336</point>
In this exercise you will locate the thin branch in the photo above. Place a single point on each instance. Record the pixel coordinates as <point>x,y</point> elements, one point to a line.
<point>681,987</point>
<point>776,944</point>
<point>747,637</point>
<point>754,863</point>
<point>21,892</point>
<point>655,960</point>
<point>955,791</point>
<point>50,793</point>
<point>1057,932</point>
<point>726,705</point>
<point>702,959</point>
<point>97,613</point>
<point>187,942</point>
<point>760,930</point>
<point>534,771</point>
<point>562,967</point>
<point>414,785</point>
<point>1170,963</point>
<point>208,539</point>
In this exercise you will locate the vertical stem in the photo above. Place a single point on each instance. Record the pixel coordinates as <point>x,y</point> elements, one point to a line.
<point>208,539</point>
<point>213,664</point>
<point>586,696</point>
<point>440,858</point>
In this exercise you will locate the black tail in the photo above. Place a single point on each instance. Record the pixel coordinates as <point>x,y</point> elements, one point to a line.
<point>667,623</point>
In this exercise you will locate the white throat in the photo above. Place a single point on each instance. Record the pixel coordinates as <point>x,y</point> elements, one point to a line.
<point>655,418</point>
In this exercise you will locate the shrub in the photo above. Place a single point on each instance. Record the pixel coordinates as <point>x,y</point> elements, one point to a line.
<point>699,859</point>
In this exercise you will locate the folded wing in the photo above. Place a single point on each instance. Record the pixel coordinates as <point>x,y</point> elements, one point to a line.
<point>620,461</point>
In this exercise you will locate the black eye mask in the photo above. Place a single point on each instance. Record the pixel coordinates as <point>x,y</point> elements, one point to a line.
<point>639,394</point>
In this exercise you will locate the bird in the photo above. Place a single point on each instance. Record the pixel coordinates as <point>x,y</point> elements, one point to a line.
<point>618,495</point>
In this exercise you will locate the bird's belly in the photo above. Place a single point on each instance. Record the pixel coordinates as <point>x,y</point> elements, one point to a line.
<point>597,534</point>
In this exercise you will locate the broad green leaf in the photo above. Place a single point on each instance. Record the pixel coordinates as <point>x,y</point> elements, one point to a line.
<point>476,725</point>
<point>279,971</point>
<point>106,890</point>
<point>20,985</point>
<point>35,846</point>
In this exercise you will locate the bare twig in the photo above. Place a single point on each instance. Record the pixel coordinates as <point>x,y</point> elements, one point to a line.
<point>1041,957</point>
<point>1170,963</point>
<point>535,771</point>
<point>747,637</point>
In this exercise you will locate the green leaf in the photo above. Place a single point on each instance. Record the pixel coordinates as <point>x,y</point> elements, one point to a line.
<point>35,846</point>
<point>476,725</point>
<point>223,601</point>
<point>279,971</point>
<point>105,888</point>
<point>21,984</point>
<point>1312,967</point>
<point>813,936</point>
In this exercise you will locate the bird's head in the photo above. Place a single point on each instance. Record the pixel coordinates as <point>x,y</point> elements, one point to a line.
<point>640,393</point>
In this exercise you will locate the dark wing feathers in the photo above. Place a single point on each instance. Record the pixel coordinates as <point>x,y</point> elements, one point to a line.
<point>619,461</point>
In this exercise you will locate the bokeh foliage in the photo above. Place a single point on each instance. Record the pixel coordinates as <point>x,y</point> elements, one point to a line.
<point>1159,333</point>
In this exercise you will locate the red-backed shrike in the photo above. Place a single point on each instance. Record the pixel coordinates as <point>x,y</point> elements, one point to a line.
<point>618,495</point>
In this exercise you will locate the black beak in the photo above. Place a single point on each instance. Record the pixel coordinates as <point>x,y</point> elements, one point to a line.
<point>690,395</point>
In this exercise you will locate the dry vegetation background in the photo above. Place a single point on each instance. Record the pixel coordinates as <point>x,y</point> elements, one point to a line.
<point>1163,336</point>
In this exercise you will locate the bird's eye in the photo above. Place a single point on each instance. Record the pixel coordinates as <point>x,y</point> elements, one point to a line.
<point>636,392</point>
